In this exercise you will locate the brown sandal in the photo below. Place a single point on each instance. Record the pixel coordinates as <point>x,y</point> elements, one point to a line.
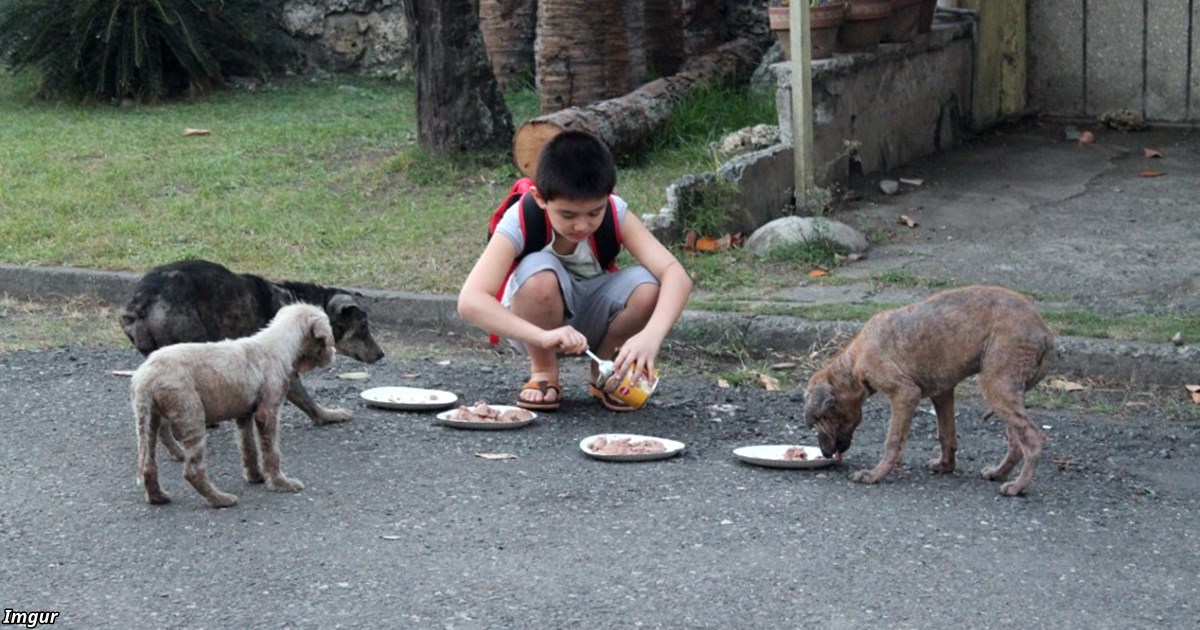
<point>544,387</point>
<point>610,402</point>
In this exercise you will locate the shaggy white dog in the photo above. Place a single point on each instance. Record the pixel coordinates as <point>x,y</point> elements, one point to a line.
<point>182,389</point>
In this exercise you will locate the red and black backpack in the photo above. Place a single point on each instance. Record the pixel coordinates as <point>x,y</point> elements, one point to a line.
<point>535,226</point>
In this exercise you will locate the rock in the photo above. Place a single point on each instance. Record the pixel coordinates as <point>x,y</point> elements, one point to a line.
<point>788,230</point>
<point>889,186</point>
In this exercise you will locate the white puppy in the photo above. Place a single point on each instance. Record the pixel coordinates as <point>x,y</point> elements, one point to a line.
<point>182,389</point>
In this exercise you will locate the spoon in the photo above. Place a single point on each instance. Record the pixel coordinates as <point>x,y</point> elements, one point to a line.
<point>605,368</point>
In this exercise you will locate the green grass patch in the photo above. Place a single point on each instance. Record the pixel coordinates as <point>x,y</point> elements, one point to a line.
<point>316,180</point>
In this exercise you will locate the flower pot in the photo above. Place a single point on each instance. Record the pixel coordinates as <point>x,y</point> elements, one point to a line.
<point>866,22</point>
<point>925,22</point>
<point>902,26</point>
<point>824,23</point>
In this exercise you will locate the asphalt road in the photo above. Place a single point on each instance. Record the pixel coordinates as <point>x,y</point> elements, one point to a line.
<point>402,525</point>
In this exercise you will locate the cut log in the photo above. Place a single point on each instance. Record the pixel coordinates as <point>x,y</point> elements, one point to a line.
<point>628,122</point>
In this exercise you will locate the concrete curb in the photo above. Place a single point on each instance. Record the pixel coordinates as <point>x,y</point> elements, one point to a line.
<point>1128,363</point>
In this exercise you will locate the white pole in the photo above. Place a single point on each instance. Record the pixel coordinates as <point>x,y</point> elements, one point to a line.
<point>802,124</point>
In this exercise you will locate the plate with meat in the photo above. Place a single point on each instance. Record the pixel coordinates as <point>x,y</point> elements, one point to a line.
<point>487,417</point>
<point>784,456</point>
<point>629,447</point>
<point>409,398</point>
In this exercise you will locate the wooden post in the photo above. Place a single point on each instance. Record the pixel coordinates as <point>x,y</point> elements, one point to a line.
<point>802,123</point>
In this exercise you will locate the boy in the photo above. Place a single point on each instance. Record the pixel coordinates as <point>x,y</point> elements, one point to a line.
<point>560,300</point>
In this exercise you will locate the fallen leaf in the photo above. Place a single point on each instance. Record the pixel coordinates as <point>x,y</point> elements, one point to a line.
<point>706,244</point>
<point>495,456</point>
<point>1065,385</point>
<point>817,273</point>
<point>907,220</point>
<point>188,131</point>
<point>1152,153</point>
<point>769,383</point>
<point>1149,172</point>
<point>1087,137</point>
<point>354,376</point>
<point>1195,390</point>
<point>722,383</point>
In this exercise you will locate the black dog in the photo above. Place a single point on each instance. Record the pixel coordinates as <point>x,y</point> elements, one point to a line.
<point>199,301</point>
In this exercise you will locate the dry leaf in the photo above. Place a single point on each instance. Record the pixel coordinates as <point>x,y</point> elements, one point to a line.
<point>1149,172</point>
<point>769,383</point>
<point>1195,390</point>
<point>722,383</point>
<point>1152,153</point>
<point>495,456</point>
<point>354,376</point>
<point>1086,137</point>
<point>817,273</point>
<point>706,244</point>
<point>907,220</point>
<point>1065,385</point>
<point>188,131</point>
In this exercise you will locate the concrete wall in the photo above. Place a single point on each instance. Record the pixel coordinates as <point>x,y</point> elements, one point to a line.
<point>1088,57</point>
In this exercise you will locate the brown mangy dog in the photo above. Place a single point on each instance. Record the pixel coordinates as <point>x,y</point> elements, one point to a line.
<point>923,351</point>
<point>181,389</point>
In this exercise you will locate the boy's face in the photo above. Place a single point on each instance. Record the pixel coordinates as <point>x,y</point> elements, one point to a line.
<point>574,219</point>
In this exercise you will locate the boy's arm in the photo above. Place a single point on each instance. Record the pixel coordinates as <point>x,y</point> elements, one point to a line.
<point>477,302</point>
<point>674,288</point>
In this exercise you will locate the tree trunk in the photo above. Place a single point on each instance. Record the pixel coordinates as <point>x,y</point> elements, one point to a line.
<point>627,122</point>
<point>664,47</point>
<point>581,49</point>
<point>509,29</point>
<point>459,104</point>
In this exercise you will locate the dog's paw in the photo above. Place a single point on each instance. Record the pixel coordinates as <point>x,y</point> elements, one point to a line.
<point>993,473</point>
<point>253,476</point>
<point>331,416</point>
<point>222,499</point>
<point>161,498</point>
<point>938,466</point>
<point>863,476</point>
<point>284,484</point>
<point>1011,489</point>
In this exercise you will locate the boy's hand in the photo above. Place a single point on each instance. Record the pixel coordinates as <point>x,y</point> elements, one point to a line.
<point>563,339</point>
<point>642,349</point>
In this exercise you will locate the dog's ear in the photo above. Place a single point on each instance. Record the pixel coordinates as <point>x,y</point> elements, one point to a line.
<point>342,302</point>
<point>818,402</point>
<point>320,330</point>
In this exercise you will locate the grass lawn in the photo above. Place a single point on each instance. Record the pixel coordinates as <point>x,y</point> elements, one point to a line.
<point>314,180</point>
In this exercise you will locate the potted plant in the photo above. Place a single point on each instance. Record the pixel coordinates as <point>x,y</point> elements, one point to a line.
<point>825,20</point>
<point>866,23</point>
<point>906,17</point>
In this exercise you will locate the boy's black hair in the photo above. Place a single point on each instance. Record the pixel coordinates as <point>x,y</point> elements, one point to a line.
<point>575,165</point>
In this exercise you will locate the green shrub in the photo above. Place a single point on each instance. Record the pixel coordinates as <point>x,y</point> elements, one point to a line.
<point>142,49</point>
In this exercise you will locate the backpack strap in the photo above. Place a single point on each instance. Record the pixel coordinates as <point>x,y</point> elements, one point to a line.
<point>606,241</point>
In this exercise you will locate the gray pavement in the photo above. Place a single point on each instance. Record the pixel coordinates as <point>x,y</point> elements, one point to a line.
<point>1077,226</point>
<point>402,525</point>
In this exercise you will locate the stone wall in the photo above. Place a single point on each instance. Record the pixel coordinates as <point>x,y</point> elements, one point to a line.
<point>360,36</point>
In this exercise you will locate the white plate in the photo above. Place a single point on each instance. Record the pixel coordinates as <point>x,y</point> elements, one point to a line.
<point>771,455</point>
<point>485,425</point>
<point>673,447</point>
<point>409,398</point>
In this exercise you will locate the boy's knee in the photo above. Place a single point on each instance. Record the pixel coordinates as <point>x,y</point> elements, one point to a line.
<point>541,286</point>
<point>643,299</point>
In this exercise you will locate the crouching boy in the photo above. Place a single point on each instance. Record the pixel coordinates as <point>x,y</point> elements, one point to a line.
<point>550,262</point>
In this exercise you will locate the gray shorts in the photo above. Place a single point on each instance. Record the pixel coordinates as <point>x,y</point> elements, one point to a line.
<point>591,303</point>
